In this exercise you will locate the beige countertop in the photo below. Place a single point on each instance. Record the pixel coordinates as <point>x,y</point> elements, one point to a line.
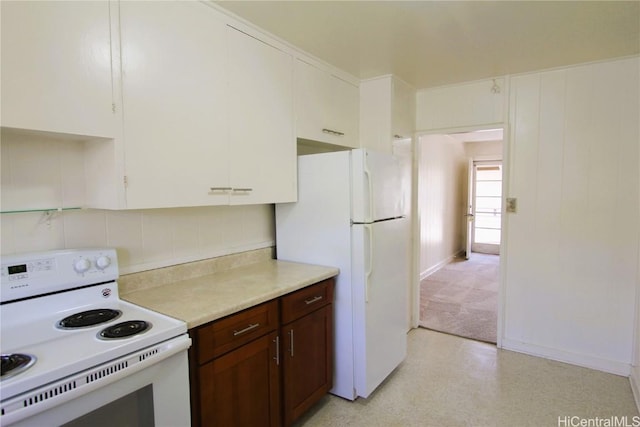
<point>202,299</point>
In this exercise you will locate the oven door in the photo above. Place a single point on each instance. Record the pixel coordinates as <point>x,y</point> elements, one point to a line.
<point>157,395</point>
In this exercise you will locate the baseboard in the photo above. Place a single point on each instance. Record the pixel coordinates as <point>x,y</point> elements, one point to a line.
<point>429,271</point>
<point>634,378</point>
<point>604,365</point>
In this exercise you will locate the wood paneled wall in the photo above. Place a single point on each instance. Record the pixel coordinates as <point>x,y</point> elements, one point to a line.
<point>572,247</point>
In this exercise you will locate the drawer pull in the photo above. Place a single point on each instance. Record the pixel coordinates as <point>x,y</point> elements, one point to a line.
<point>312,300</point>
<point>247,329</point>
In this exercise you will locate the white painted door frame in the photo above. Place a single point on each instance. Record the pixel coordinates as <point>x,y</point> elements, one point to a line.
<point>416,213</point>
<point>470,202</point>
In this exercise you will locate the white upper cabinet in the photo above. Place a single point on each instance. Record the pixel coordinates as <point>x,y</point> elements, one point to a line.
<point>56,67</point>
<point>174,74</point>
<point>403,110</point>
<point>387,113</point>
<point>326,106</point>
<point>475,104</point>
<point>208,110</point>
<point>262,145</point>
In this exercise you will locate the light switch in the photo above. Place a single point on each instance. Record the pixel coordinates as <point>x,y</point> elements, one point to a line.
<point>511,204</point>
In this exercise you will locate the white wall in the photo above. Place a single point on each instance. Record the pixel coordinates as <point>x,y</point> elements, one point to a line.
<point>441,198</point>
<point>469,105</point>
<point>572,247</point>
<point>483,149</point>
<point>40,172</point>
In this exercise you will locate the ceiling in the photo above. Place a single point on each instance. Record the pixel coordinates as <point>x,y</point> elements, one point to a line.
<point>434,43</point>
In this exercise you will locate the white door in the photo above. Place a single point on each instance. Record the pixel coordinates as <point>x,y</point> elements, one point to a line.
<point>469,213</point>
<point>487,207</point>
<point>379,285</point>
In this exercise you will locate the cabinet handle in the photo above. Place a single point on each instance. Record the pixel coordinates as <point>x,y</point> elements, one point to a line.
<point>220,188</point>
<point>332,132</point>
<point>291,342</point>
<point>241,190</point>
<point>312,300</point>
<point>247,329</point>
<point>396,136</point>
<point>277,358</point>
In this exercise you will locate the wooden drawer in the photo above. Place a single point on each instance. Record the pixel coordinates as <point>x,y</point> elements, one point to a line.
<point>297,304</point>
<point>235,330</point>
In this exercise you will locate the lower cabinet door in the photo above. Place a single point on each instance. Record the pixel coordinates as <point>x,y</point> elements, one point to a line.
<point>241,388</point>
<point>308,361</point>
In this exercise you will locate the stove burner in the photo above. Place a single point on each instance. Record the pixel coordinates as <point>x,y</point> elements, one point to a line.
<point>89,318</point>
<point>13,364</point>
<point>124,329</point>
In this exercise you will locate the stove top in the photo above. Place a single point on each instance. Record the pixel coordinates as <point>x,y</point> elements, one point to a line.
<point>124,330</point>
<point>89,318</point>
<point>15,363</point>
<point>69,320</point>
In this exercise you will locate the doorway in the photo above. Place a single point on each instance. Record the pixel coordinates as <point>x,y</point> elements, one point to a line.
<point>484,207</point>
<point>460,175</point>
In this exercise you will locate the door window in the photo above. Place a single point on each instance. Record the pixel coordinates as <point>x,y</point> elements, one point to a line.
<point>488,203</point>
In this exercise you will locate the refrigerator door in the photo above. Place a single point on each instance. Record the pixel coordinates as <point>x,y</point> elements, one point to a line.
<point>377,187</point>
<point>317,230</point>
<point>380,284</point>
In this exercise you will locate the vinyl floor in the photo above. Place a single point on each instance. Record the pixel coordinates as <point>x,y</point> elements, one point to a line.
<point>452,381</point>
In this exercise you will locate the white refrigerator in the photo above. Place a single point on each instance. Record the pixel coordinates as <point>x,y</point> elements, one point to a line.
<point>350,215</point>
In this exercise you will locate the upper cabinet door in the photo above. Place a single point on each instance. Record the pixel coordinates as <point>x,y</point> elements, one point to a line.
<point>262,144</point>
<point>56,67</point>
<point>403,110</point>
<point>174,71</point>
<point>327,107</point>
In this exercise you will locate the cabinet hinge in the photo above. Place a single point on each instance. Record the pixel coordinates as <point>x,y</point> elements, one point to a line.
<point>113,107</point>
<point>125,181</point>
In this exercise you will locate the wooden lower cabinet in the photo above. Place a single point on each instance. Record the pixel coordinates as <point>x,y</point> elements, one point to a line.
<point>266,365</point>
<point>308,362</point>
<point>242,387</point>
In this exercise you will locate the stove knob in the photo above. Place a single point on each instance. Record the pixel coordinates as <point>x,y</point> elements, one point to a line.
<point>82,265</point>
<point>103,262</point>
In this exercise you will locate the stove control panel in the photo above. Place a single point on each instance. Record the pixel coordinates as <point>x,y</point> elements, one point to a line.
<point>34,274</point>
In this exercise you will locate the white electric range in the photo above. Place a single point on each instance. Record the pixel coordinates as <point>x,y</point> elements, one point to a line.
<point>73,350</point>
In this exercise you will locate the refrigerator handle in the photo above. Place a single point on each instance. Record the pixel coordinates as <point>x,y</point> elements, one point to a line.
<point>367,227</point>
<point>370,188</point>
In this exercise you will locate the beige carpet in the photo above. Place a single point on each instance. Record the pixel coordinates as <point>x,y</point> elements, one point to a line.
<point>462,298</point>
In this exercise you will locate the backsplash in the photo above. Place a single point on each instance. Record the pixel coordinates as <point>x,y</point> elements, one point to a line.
<point>162,276</point>
<point>144,239</point>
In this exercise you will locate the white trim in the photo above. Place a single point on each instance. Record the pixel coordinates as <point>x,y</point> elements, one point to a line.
<point>610,366</point>
<point>506,179</point>
<point>416,232</point>
<point>460,129</point>
<point>634,379</point>
<point>428,272</point>
<point>488,158</point>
